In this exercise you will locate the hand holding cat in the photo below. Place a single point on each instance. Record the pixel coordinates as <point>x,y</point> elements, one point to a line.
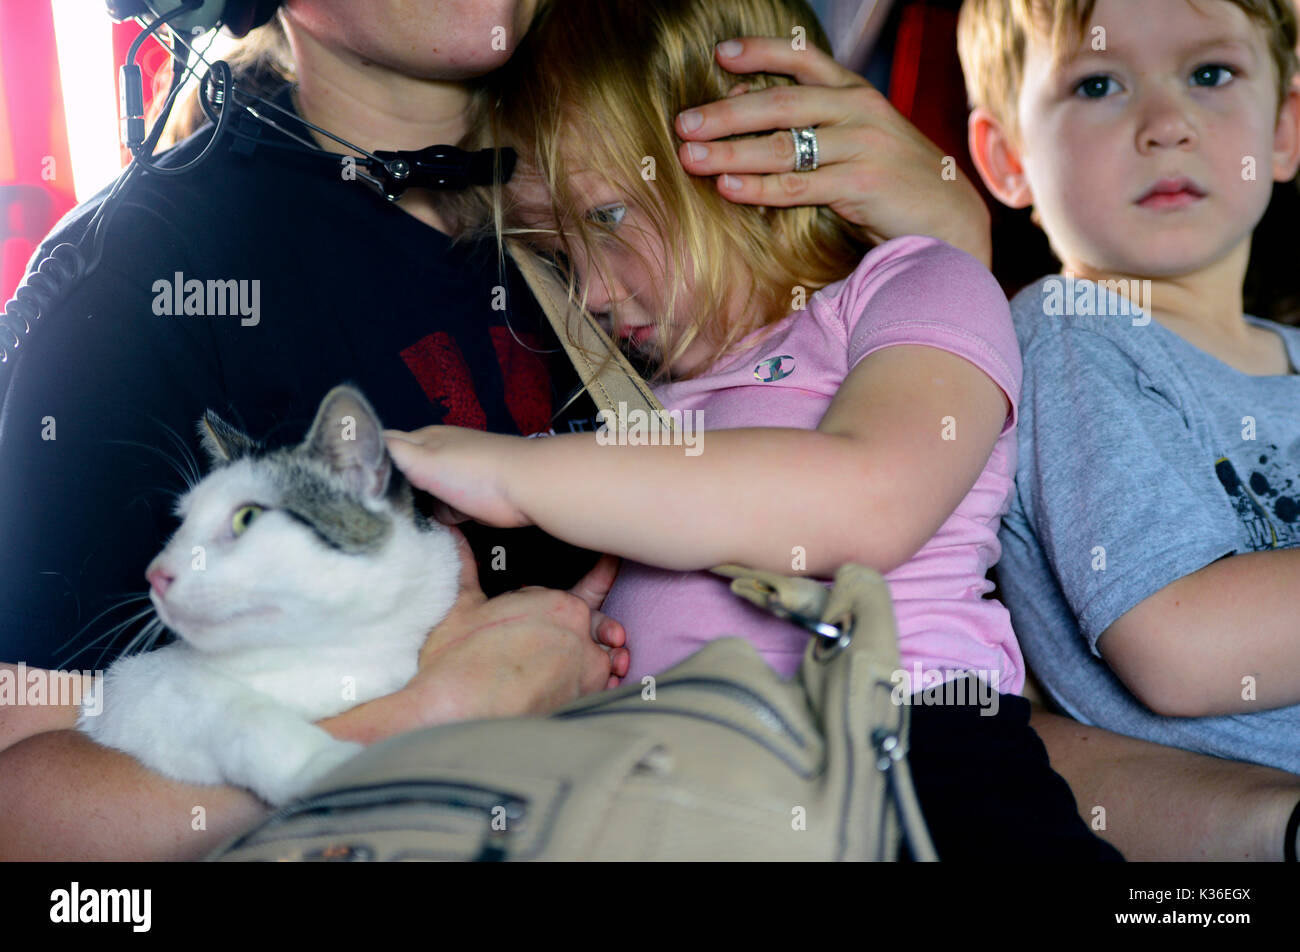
<point>524,652</point>
<point>468,470</point>
<point>876,168</point>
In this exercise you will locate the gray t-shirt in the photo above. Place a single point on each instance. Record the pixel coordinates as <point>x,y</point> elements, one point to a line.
<point>1142,460</point>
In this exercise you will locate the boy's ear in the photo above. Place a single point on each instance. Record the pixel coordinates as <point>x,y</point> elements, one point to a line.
<point>997,159</point>
<point>1286,138</point>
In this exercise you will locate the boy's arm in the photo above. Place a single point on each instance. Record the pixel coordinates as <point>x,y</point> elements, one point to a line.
<point>1185,651</point>
<point>1132,528</point>
<point>871,485</point>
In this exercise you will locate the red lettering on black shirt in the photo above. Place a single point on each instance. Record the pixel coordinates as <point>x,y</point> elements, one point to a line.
<point>440,368</point>
<point>527,383</point>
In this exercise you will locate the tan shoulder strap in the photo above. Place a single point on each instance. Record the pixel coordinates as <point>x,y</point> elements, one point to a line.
<point>584,340</point>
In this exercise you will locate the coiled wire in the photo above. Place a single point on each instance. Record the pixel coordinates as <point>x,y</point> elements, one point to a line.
<point>45,286</point>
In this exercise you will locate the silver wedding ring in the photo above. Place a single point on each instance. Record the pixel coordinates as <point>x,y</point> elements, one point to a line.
<point>805,149</point>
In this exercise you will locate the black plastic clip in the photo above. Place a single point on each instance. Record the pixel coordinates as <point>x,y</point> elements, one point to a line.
<point>438,167</point>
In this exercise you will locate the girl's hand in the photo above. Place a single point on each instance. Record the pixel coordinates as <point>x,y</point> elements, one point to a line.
<point>876,170</point>
<point>468,470</point>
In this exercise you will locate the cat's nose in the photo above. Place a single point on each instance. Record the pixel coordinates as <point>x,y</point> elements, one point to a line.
<point>159,579</point>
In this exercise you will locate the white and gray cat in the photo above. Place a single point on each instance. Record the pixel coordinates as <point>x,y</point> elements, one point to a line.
<point>301,582</point>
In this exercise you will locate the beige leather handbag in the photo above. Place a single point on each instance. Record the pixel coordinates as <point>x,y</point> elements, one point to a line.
<point>717,758</point>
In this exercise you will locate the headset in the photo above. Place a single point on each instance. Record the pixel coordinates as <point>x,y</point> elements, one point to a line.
<point>237,16</point>
<point>389,172</point>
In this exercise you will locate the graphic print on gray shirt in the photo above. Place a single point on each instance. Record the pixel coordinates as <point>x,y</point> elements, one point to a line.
<point>1142,460</point>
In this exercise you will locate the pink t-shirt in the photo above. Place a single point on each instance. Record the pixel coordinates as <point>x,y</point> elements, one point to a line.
<point>910,290</point>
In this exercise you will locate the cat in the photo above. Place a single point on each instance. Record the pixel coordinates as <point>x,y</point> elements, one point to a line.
<point>302,581</point>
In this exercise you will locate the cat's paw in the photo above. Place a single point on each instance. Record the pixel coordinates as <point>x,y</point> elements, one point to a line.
<point>293,784</point>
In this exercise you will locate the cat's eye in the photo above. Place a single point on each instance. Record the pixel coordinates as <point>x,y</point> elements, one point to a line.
<point>244,517</point>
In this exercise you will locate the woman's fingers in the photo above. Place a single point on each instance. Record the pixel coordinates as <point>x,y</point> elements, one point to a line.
<point>595,585</point>
<point>470,599</point>
<point>769,154</point>
<point>470,589</point>
<point>827,186</point>
<point>620,661</point>
<point>607,631</point>
<point>777,54</point>
<point>778,107</point>
<point>875,169</point>
<point>828,93</point>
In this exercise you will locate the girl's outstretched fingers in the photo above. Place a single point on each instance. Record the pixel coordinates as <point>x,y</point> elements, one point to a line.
<point>467,470</point>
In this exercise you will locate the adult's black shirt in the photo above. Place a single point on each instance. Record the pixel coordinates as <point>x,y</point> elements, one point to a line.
<point>349,288</point>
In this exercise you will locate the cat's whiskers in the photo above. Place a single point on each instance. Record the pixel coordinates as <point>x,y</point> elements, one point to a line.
<point>146,638</point>
<point>186,477</point>
<point>145,613</point>
<point>143,497</point>
<point>111,634</point>
<point>187,457</point>
<point>184,464</point>
<point>121,601</point>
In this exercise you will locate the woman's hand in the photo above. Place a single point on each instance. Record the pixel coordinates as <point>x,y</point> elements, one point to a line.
<point>468,471</point>
<point>875,169</point>
<point>524,652</point>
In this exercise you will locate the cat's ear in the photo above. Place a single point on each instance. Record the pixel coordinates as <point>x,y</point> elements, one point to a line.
<point>347,435</point>
<point>222,442</point>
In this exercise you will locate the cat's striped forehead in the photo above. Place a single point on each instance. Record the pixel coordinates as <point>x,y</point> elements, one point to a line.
<point>303,488</point>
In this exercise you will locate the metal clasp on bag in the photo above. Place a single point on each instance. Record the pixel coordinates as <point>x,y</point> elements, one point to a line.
<point>831,639</point>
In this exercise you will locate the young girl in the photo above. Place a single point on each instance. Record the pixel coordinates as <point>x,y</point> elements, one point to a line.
<point>855,409</point>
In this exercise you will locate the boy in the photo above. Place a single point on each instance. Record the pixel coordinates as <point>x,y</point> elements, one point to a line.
<point>1151,555</point>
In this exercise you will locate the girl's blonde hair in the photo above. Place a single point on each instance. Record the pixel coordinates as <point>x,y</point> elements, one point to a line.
<point>600,82</point>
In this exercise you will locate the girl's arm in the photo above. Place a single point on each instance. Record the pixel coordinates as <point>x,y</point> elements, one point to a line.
<point>904,440</point>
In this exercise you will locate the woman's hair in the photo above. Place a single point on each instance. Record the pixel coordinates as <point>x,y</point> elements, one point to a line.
<point>260,62</point>
<point>600,82</point>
